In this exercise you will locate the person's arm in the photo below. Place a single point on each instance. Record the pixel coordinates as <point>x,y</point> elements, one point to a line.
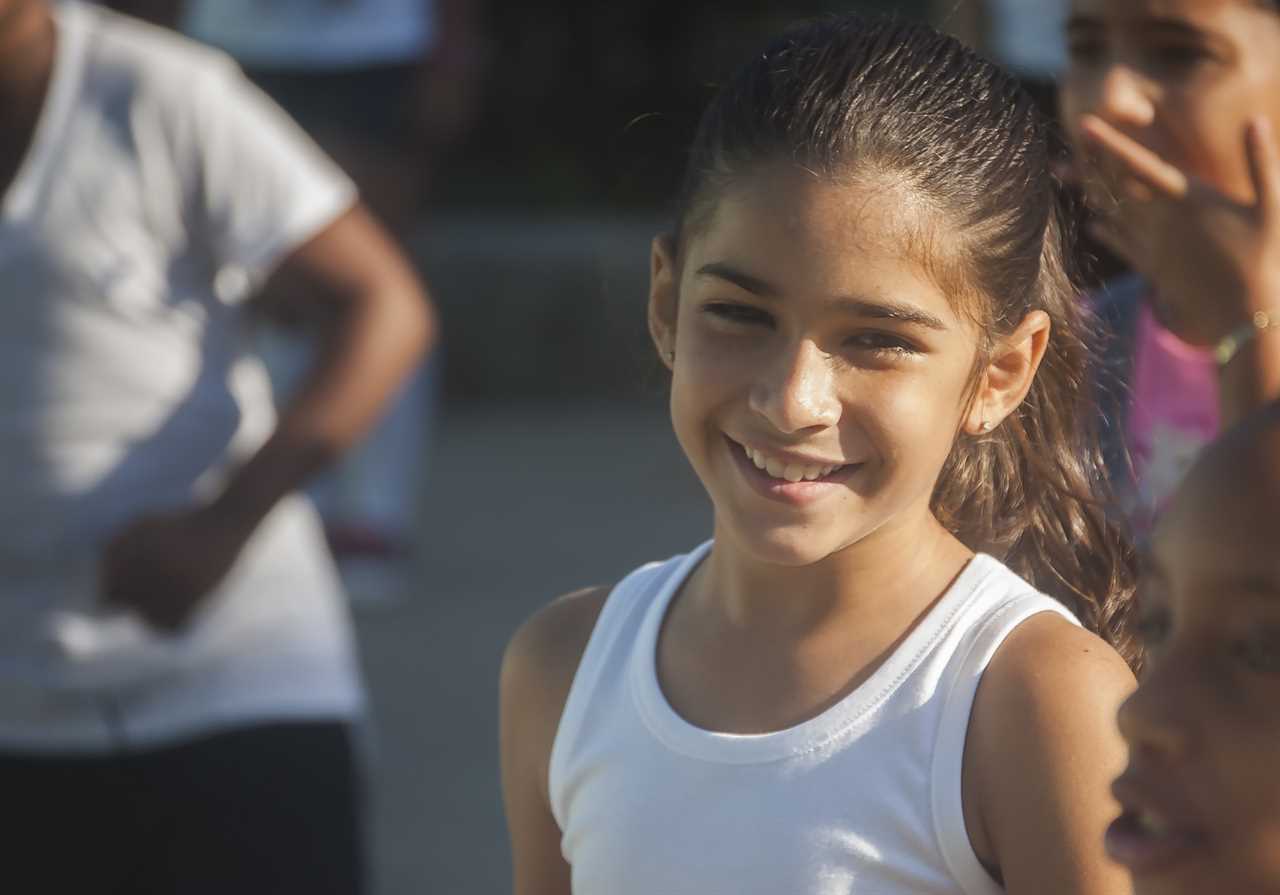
<point>1214,260</point>
<point>375,325</point>
<point>537,672</point>
<point>1042,751</point>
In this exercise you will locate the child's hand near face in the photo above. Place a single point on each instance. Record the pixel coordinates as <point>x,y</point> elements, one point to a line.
<point>1215,261</point>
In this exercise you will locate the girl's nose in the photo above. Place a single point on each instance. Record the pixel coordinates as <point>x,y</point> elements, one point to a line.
<point>798,391</point>
<point>1124,97</point>
<point>1154,718</point>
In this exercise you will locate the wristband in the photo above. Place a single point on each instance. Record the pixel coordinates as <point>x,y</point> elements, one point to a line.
<point>1232,342</point>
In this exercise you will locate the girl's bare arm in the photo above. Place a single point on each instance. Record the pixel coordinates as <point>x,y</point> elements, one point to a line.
<point>537,671</point>
<point>1042,750</point>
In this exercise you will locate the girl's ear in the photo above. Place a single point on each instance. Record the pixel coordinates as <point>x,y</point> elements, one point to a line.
<point>1008,376</point>
<point>663,291</point>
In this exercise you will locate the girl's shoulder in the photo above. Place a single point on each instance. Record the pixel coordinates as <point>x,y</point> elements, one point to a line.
<point>1047,700</point>
<point>543,654</point>
<point>550,645</point>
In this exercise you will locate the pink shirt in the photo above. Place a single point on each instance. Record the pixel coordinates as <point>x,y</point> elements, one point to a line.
<point>1175,412</point>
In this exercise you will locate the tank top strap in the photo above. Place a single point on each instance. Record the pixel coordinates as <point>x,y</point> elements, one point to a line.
<point>609,648</point>
<point>967,667</point>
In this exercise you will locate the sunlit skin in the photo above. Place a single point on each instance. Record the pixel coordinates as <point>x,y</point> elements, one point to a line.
<point>1204,725</point>
<point>1182,77</point>
<point>803,329</point>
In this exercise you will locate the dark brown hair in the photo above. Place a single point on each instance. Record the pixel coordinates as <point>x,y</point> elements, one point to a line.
<point>881,98</point>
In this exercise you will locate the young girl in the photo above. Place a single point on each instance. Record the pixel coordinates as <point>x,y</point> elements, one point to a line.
<point>1201,796</point>
<point>839,693</point>
<point>1170,107</point>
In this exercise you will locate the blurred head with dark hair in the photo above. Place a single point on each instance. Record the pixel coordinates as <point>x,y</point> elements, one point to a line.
<point>1202,793</point>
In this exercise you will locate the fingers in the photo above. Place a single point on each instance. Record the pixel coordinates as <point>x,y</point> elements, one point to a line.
<point>1145,166</point>
<point>1264,164</point>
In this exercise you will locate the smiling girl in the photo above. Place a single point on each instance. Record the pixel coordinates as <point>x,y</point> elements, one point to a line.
<point>878,371</point>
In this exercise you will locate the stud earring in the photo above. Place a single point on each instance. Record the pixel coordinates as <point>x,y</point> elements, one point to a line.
<point>985,426</point>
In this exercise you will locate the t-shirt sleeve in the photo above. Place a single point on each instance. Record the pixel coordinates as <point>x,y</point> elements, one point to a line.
<point>261,187</point>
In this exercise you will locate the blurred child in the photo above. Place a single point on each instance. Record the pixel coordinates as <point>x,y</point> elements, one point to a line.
<point>859,684</point>
<point>178,684</point>
<point>1171,107</point>
<point>1201,796</point>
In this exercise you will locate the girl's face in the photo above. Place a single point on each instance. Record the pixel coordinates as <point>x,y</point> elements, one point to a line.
<point>1202,791</point>
<point>1180,76</point>
<point>819,373</point>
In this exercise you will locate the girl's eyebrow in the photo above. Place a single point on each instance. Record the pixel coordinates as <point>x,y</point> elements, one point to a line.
<point>862,307</point>
<point>742,280</point>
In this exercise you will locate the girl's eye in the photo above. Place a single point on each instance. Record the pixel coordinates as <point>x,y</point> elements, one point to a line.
<point>744,315</point>
<point>1259,652</point>
<point>881,343</point>
<point>1084,51</point>
<point>1176,57</point>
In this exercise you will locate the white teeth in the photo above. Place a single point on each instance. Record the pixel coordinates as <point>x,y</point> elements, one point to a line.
<point>791,472</point>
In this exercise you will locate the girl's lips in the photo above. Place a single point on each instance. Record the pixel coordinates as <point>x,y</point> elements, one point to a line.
<point>782,490</point>
<point>1133,842</point>
<point>1151,833</point>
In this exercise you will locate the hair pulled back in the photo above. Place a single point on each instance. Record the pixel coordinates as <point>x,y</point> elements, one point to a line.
<point>878,98</point>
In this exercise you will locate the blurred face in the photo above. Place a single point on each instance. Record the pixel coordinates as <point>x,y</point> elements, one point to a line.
<point>819,373</point>
<point>1202,791</point>
<point>1180,76</point>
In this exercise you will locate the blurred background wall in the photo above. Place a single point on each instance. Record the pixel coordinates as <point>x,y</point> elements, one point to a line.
<point>538,229</point>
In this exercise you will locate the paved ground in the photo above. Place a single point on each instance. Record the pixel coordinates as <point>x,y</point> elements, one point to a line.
<point>525,502</point>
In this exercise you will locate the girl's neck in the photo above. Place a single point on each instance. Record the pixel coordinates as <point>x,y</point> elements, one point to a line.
<point>897,570</point>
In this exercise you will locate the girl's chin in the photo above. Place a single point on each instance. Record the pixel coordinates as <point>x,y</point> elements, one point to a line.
<point>795,547</point>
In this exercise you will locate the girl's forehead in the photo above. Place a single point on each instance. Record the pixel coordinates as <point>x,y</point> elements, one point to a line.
<point>1224,523</point>
<point>788,207</point>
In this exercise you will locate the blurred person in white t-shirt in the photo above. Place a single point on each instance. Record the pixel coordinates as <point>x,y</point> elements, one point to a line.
<point>178,685</point>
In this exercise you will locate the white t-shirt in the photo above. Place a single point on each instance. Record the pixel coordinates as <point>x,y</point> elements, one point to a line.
<point>864,797</point>
<point>314,33</point>
<point>159,188</point>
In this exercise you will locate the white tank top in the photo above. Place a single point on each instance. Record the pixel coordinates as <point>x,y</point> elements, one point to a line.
<point>863,798</point>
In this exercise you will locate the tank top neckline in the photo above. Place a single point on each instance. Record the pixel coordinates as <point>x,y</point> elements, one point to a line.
<point>813,734</point>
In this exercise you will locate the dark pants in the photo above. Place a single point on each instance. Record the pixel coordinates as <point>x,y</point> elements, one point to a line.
<point>267,809</point>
